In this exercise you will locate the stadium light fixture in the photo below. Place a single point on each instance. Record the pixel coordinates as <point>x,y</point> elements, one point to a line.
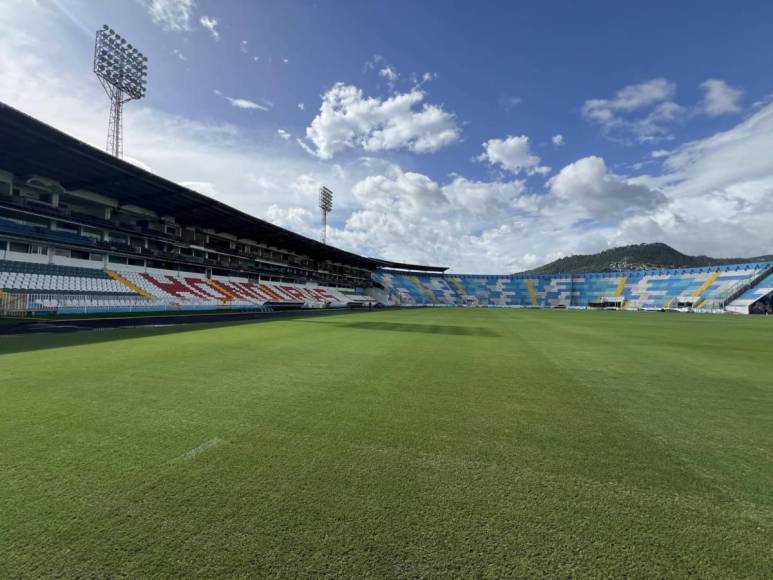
<point>326,205</point>
<point>123,72</point>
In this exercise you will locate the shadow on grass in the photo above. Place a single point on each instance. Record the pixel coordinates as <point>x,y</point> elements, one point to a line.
<point>64,337</point>
<point>43,335</point>
<point>422,328</point>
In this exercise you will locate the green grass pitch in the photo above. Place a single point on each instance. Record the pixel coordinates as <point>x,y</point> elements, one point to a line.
<point>443,442</point>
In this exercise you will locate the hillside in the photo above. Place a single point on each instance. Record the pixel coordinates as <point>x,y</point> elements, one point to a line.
<point>636,257</point>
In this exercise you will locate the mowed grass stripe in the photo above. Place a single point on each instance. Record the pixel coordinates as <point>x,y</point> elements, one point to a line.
<point>717,372</point>
<point>403,443</point>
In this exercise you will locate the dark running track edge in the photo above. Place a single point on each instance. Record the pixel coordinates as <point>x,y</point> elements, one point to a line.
<point>40,325</point>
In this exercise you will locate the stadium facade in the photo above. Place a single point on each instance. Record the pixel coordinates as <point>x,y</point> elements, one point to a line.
<point>82,231</point>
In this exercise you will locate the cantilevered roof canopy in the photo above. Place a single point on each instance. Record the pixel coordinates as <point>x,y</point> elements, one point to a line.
<point>30,147</point>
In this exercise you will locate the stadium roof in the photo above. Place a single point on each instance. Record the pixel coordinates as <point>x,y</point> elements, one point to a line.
<point>31,147</point>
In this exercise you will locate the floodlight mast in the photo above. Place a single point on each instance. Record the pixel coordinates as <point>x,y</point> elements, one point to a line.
<point>122,70</point>
<point>326,206</point>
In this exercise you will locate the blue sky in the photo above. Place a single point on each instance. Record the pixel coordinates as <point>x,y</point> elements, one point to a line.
<point>483,138</point>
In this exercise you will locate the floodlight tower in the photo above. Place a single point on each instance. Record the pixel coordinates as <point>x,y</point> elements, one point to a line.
<point>123,72</point>
<point>326,205</point>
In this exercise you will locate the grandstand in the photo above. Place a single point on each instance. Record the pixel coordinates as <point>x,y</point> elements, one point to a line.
<point>82,231</point>
<point>733,288</point>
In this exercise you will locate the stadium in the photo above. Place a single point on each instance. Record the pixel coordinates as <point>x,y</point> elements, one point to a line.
<point>192,391</point>
<point>84,232</point>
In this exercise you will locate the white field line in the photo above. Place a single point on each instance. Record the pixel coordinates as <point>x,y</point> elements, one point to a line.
<point>191,453</point>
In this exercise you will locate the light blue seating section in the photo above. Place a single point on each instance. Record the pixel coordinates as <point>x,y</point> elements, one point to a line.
<point>443,292</point>
<point>754,293</point>
<point>404,291</point>
<point>703,287</point>
<point>590,288</point>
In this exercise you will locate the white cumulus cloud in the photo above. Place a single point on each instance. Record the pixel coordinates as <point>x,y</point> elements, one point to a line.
<point>347,119</point>
<point>720,98</point>
<point>438,221</point>
<point>643,110</point>
<point>589,184</point>
<point>512,154</point>
<point>630,98</point>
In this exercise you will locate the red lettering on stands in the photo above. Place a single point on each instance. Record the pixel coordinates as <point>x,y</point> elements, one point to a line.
<point>324,294</point>
<point>174,287</point>
<point>308,292</point>
<point>293,293</point>
<point>238,291</point>
<point>271,292</point>
<point>204,288</point>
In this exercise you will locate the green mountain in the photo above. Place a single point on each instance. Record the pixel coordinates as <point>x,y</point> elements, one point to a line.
<point>636,257</point>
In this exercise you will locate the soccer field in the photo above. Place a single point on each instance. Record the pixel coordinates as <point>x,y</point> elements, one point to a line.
<point>437,442</point>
